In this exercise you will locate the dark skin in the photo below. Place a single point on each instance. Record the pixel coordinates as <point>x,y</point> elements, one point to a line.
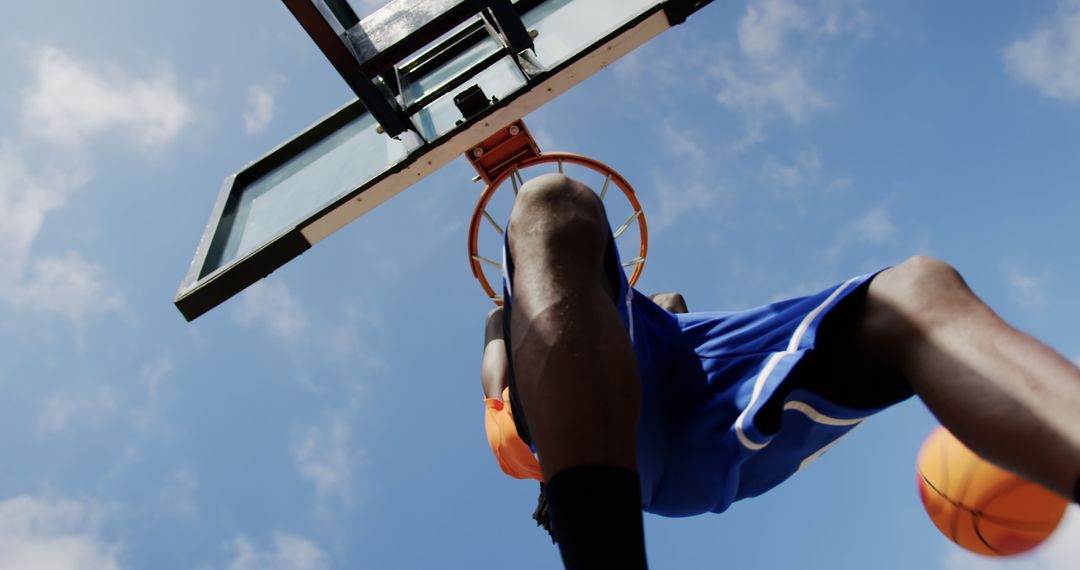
<point>493,368</point>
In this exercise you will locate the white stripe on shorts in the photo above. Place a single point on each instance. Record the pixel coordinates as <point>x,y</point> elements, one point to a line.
<point>774,360</point>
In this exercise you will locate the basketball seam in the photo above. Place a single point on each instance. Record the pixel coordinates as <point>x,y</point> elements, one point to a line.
<point>945,483</point>
<point>969,476</point>
<point>989,517</point>
<point>978,516</point>
<point>954,522</point>
<point>940,493</point>
<point>978,532</point>
<point>1005,489</point>
<point>958,509</point>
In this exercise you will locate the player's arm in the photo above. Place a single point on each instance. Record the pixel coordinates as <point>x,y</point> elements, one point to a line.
<point>670,302</point>
<point>493,372</point>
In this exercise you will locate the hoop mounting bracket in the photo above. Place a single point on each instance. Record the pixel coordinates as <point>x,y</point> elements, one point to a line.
<point>502,150</point>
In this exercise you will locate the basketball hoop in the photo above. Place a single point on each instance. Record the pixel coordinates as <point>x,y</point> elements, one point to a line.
<point>559,159</point>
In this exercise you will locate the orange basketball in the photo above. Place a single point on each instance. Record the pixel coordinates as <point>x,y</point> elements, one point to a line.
<point>980,506</point>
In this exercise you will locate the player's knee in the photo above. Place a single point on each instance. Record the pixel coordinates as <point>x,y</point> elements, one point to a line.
<point>907,300</point>
<point>927,284</point>
<point>557,214</point>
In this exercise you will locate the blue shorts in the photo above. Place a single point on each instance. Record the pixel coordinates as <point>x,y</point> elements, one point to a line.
<point>705,378</point>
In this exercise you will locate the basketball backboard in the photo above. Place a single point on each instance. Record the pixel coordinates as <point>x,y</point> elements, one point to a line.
<point>433,78</point>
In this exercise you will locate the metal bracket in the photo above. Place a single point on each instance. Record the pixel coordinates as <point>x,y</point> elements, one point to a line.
<point>504,24</point>
<point>471,102</point>
<point>529,64</point>
<point>366,52</point>
<point>340,11</point>
<point>679,10</point>
<point>376,97</point>
<point>502,151</point>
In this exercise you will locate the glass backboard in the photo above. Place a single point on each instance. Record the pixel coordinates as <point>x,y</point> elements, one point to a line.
<point>277,207</point>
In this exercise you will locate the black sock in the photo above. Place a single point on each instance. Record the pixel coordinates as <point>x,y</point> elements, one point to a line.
<point>596,517</point>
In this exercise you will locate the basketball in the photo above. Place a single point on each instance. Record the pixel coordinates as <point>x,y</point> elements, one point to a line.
<point>980,506</point>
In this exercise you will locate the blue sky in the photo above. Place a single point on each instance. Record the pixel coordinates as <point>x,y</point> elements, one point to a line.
<point>331,416</point>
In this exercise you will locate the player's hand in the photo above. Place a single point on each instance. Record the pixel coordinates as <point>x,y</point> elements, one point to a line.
<point>670,302</point>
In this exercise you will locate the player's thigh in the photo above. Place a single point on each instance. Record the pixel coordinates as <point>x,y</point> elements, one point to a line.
<point>850,364</point>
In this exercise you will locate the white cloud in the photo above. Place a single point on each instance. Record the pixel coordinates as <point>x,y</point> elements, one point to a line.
<point>290,552</point>
<point>271,305</point>
<point>872,228</point>
<point>875,226</point>
<point>786,87</point>
<point>844,17</point>
<point>179,495</point>
<point>260,109</point>
<point>781,47</point>
<point>53,534</point>
<point>805,169</point>
<point>64,285</point>
<point>153,374</point>
<point>71,101</point>
<point>839,184</point>
<point>1049,58</point>
<point>148,416</point>
<point>324,459</point>
<point>68,104</point>
<point>25,200</point>
<point>95,405</point>
<point>764,27</point>
<point>344,339</point>
<point>676,196</point>
<point>545,141</point>
<point>1026,290</point>
<point>68,286</point>
<point>1060,552</point>
<point>694,187</point>
<point>130,455</point>
<point>90,407</point>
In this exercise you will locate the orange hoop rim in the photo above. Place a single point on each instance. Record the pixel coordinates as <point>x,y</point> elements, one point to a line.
<point>556,157</point>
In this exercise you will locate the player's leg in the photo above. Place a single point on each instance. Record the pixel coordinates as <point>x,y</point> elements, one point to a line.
<point>1007,396</point>
<point>575,372</point>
